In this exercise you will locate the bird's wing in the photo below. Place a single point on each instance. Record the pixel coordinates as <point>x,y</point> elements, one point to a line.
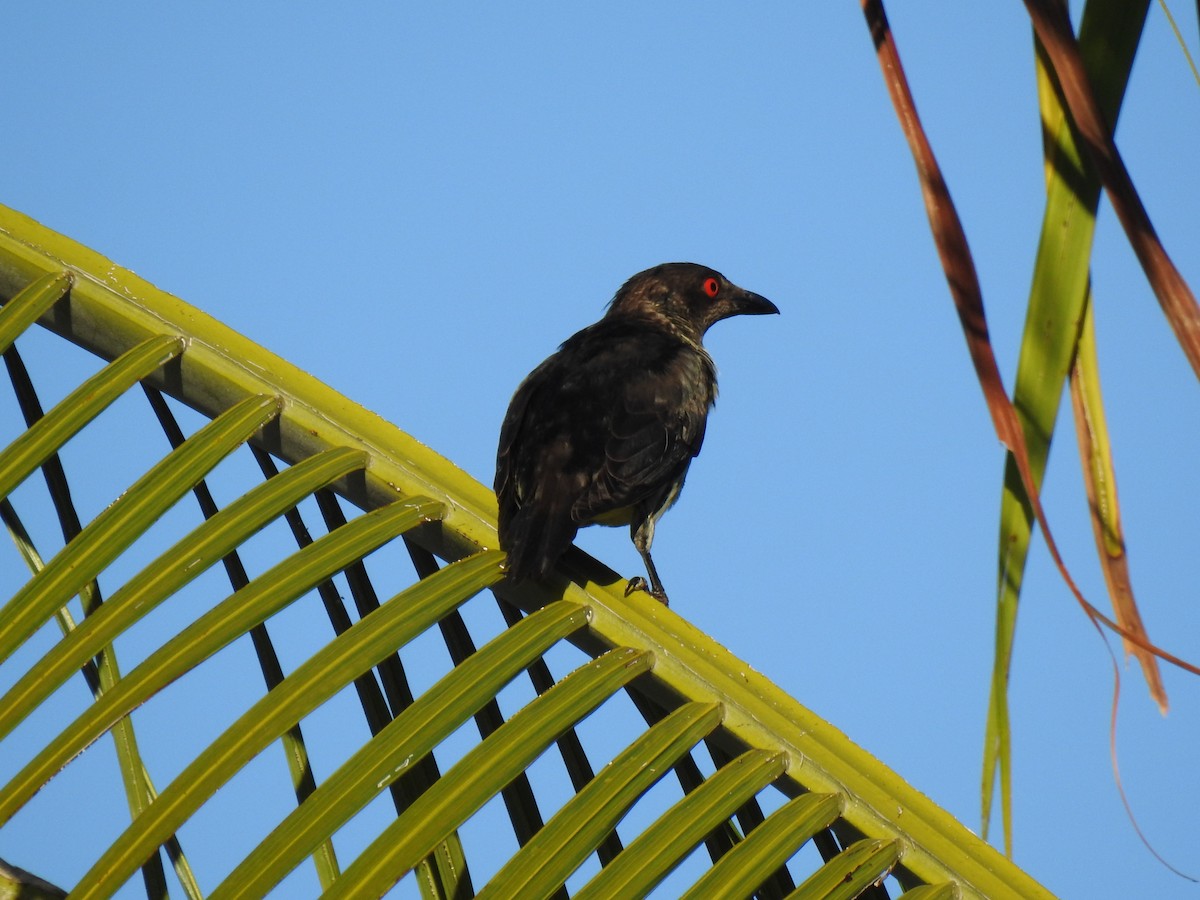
<point>655,414</point>
<point>534,487</point>
<point>510,431</point>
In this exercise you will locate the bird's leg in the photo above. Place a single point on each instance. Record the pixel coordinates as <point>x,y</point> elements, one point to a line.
<point>656,589</point>
<point>643,536</point>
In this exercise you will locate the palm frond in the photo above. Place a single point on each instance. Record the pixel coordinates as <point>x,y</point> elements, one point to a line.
<point>676,763</point>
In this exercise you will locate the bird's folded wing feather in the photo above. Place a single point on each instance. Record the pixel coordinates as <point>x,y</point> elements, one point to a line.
<point>658,406</point>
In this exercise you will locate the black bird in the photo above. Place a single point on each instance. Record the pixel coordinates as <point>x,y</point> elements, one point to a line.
<point>604,430</point>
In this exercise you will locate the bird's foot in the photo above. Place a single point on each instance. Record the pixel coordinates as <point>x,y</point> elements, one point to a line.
<point>638,583</point>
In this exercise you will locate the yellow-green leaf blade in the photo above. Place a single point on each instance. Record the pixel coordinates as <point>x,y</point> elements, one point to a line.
<point>28,305</point>
<point>846,875</point>
<point>36,444</point>
<point>234,616</point>
<point>483,771</point>
<point>545,863</point>
<point>650,858</point>
<point>328,671</point>
<point>411,735</point>
<point>767,847</point>
<point>191,556</point>
<point>1100,481</point>
<point>113,530</point>
<point>1109,35</point>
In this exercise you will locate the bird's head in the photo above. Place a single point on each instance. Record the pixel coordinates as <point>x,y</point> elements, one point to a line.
<point>687,296</point>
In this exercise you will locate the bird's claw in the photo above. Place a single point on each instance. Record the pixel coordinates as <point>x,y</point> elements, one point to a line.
<point>638,583</point>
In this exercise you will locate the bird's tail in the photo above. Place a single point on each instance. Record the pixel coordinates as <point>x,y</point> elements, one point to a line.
<point>535,536</point>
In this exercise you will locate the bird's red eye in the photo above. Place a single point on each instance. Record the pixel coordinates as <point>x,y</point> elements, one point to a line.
<point>711,286</point>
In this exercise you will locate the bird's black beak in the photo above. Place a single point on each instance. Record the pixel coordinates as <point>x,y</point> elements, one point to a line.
<point>752,304</point>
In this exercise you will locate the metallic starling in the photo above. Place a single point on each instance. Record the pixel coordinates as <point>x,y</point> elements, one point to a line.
<point>604,430</point>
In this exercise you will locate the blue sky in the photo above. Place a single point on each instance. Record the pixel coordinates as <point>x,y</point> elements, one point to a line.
<point>417,204</point>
